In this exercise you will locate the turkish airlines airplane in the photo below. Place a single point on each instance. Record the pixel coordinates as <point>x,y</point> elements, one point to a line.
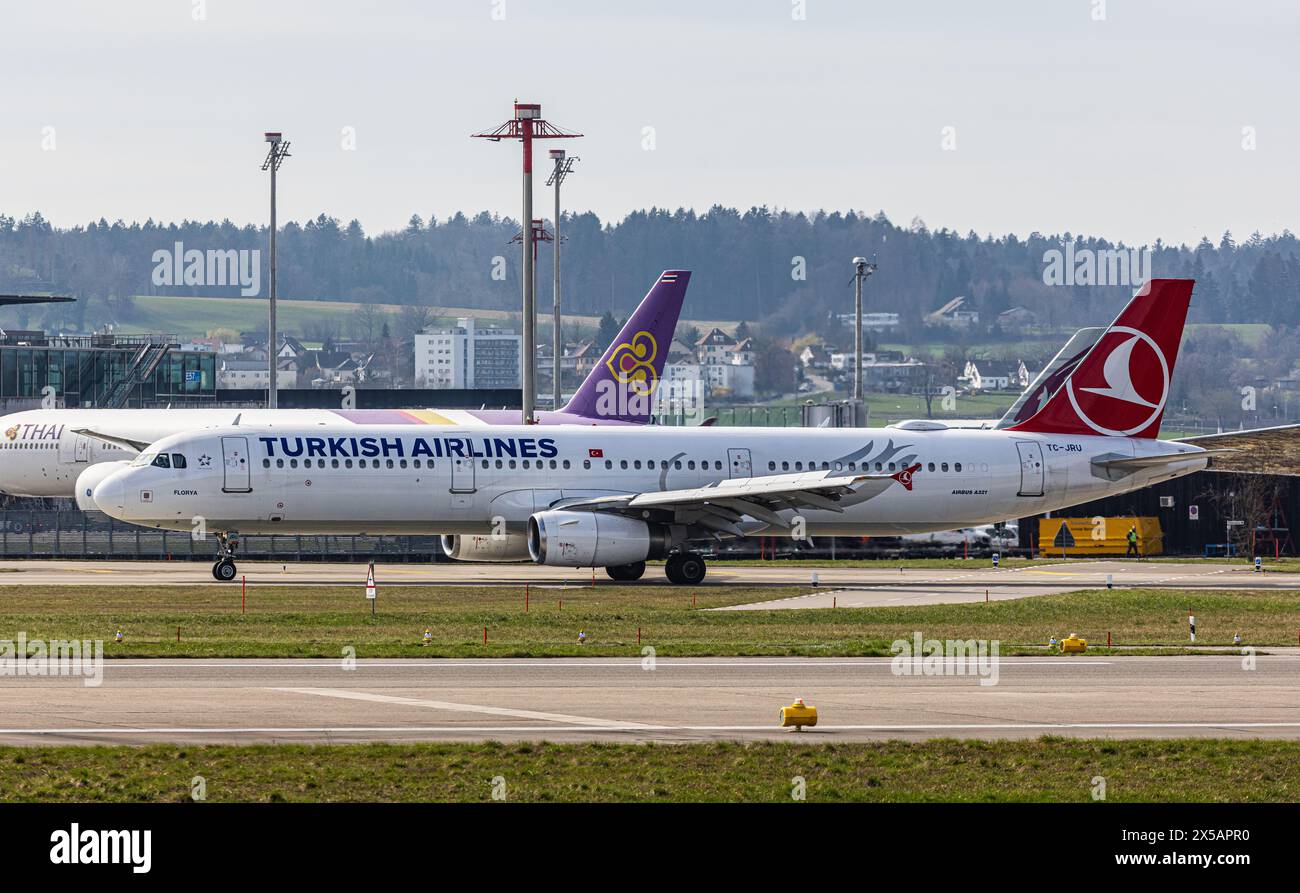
<point>614,497</point>
<point>44,452</point>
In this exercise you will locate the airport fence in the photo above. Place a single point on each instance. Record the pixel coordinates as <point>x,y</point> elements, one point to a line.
<point>76,534</point>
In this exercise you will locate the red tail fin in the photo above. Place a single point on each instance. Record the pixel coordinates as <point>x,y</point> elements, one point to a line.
<point>1120,388</point>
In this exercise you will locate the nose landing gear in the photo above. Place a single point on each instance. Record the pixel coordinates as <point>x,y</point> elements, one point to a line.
<point>224,569</point>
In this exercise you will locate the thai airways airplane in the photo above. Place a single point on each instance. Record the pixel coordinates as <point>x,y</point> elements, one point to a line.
<point>43,452</point>
<point>614,497</point>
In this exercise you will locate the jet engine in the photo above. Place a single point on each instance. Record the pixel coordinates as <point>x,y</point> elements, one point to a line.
<point>508,547</point>
<point>593,539</point>
<point>89,479</point>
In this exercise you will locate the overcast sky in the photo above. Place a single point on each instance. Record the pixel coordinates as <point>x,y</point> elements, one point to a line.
<point>1130,127</point>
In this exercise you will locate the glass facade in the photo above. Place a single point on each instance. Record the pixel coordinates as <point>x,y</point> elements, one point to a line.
<point>84,371</point>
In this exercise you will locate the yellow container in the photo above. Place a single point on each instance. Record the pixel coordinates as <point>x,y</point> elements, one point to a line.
<point>1099,536</point>
<point>1072,644</point>
<point>798,715</point>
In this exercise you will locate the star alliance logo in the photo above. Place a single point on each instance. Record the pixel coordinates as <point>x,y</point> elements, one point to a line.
<point>205,460</point>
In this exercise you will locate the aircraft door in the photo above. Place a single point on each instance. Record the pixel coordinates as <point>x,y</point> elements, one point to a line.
<point>462,475</point>
<point>238,471</point>
<point>739,463</point>
<point>74,448</point>
<point>1031,468</point>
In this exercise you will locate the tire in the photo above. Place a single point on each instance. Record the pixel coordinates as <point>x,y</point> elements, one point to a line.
<point>626,573</point>
<point>691,569</point>
<point>673,570</point>
<point>224,570</point>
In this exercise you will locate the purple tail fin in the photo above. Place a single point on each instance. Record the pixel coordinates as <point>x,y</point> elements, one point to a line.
<point>621,387</point>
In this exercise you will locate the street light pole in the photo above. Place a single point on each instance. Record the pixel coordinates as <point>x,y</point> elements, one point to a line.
<point>274,158</point>
<point>563,167</point>
<point>862,268</point>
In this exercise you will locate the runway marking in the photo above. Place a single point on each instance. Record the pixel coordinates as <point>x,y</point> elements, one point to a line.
<point>584,721</point>
<point>618,663</point>
<point>637,727</point>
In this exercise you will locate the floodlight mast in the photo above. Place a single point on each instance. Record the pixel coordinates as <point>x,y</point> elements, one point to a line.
<point>527,125</point>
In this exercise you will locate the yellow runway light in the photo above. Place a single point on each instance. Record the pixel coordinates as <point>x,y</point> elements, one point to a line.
<point>798,715</point>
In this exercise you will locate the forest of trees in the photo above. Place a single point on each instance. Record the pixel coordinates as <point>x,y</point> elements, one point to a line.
<point>785,271</point>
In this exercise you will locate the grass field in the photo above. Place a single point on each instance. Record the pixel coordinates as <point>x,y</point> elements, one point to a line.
<point>1047,769</point>
<point>321,621</point>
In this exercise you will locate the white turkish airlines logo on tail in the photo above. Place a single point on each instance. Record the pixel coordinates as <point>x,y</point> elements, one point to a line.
<point>1117,371</point>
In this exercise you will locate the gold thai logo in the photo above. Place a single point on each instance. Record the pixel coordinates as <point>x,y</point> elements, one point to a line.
<point>632,363</point>
<point>12,433</point>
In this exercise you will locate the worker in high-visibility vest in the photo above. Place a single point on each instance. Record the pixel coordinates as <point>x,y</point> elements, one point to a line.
<point>1133,543</point>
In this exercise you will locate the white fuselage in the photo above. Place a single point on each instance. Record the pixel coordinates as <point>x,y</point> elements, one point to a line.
<point>42,455</point>
<point>322,479</point>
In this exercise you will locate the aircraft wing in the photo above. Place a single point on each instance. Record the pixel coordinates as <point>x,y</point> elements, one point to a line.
<point>125,443</point>
<point>1273,450</point>
<point>722,506</point>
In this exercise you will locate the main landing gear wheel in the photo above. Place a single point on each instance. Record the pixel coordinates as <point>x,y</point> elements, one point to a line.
<point>626,573</point>
<point>224,570</point>
<point>685,568</point>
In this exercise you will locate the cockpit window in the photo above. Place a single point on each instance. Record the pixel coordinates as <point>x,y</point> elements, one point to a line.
<point>178,460</point>
<point>162,460</point>
<point>143,459</point>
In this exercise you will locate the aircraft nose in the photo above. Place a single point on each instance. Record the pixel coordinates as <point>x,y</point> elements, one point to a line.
<point>110,495</point>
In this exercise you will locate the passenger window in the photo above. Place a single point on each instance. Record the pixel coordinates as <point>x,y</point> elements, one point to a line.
<point>636,464</point>
<point>956,466</point>
<point>485,463</point>
<point>403,463</point>
<point>798,466</point>
<point>785,466</point>
<point>347,463</point>
<point>678,464</point>
<point>771,466</point>
<point>622,463</point>
<point>586,463</point>
<point>498,462</point>
<point>335,463</point>
<point>279,463</point>
<point>691,465</point>
<point>892,467</point>
<point>944,466</point>
<point>609,463</point>
<point>512,463</point>
<point>416,463</point>
<point>266,463</point>
<point>566,463</point>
